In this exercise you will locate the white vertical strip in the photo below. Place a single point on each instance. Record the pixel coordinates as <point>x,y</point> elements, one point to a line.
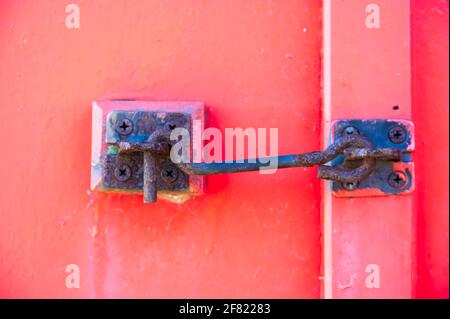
<point>326,120</point>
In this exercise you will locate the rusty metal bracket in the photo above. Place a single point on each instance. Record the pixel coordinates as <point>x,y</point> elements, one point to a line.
<point>387,177</point>
<point>141,143</point>
<point>131,148</point>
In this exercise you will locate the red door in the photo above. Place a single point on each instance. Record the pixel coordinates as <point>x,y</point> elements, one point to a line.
<point>253,64</point>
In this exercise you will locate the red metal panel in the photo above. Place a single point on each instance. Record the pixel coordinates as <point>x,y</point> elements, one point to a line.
<point>431,114</point>
<point>396,235</point>
<point>253,63</point>
<point>367,240</point>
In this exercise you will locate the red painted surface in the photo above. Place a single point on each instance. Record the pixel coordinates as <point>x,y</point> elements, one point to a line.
<point>367,237</point>
<point>254,64</point>
<point>431,113</point>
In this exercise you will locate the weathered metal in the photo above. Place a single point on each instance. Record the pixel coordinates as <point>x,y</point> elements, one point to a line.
<point>361,156</point>
<point>158,144</point>
<point>122,172</point>
<point>139,145</point>
<point>392,144</point>
<point>397,134</point>
<point>150,177</point>
<point>397,179</point>
<point>392,154</point>
<point>135,183</point>
<point>169,173</point>
<point>357,162</point>
<point>124,127</point>
<point>341,174</point>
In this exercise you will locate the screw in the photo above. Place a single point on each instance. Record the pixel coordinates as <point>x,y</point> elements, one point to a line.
<point>122,172</point>
<point>350,130</point>
<point>350,186</point>
<point>397,179</point>
<point>124,127</point>
<point>169,174</point>
<point>397,134</point>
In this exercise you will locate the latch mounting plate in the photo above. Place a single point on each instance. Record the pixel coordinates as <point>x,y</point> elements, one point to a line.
<point>388,178</point>
<point>116,121</point>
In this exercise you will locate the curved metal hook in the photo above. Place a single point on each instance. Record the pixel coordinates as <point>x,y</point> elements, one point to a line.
<point>344,174</point>
<point>299,160</point>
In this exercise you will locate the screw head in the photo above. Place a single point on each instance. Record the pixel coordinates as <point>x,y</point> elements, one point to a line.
<point>171,126</point>
<point>124,126</point>
<point>397,179</point>
<point>350,130</point>
<point>350,186</point>
<point>122,172</point>
<point>397,134</point>
<point>169,173</point>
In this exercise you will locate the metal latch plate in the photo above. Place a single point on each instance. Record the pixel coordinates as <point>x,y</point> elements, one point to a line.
<point>388,178</point>
<point>134,121</point>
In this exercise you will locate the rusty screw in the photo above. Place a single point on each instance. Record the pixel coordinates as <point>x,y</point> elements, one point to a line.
<point>350,130</point>
<point>124,127</point>
<point>349,186</point>
<point>122,172</point>
<point>397,179</point>
<point>169,174</point>
<point>397,134</point>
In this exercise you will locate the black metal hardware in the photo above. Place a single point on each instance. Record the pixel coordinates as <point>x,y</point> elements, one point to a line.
<point>143,144</point>
<point>140,159</point>
<point>354,147</point>
<point>391,134</point>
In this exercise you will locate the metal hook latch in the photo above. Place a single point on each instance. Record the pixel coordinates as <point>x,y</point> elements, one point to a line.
<point>364,157</point>
<point>358,153</point>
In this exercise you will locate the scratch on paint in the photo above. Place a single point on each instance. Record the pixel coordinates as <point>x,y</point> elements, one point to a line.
<point>92,199</point>
<point>350,284</point>
<point>94,231</point>
<point>169,223</point>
